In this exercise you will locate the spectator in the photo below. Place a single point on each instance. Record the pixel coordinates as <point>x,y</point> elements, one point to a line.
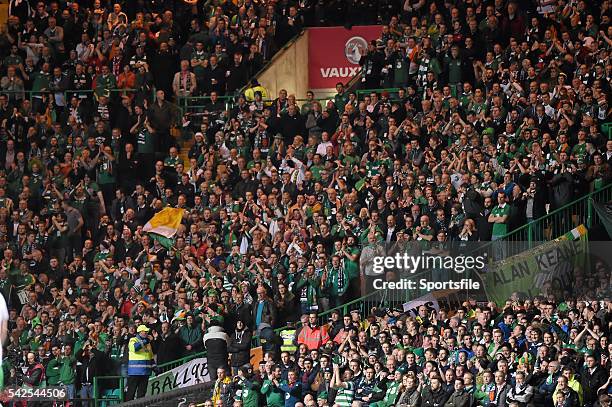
<point>190,335</point>
<point>223,389</point>
<point>499,216</point>
<point>264,310</point>
<point>217,342</point>
<point>184,83</point>
<point>312,335</point>
<point>292,389</point>
<point>140,363</point>
<point>91,363</point>
<point>239,346</point>
<point>167,345</point>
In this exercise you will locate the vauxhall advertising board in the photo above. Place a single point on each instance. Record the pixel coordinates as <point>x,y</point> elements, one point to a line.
<point>334,53</point>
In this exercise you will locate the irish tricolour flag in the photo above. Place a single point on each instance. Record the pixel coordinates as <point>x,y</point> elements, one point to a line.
<point>163,226</point>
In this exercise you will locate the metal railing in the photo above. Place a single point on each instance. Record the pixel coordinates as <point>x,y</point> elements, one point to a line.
<point>67,93</point>
<point>380,298</point>
<point>606,129</point>
<point>112,393</point>
<point>391,91</point>
<point>109,390</point>
<point>563,219</point>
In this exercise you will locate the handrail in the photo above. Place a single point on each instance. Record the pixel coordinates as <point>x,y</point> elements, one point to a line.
<point>344,308</point>
<point>29,94</point>
<point>353,83</point>
<point>559,210</point>
<point>379,90</point>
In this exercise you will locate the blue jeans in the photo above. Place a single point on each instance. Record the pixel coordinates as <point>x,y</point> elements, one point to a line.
<point>70,391</point>
<point>86,393</point>
<point>499,248</point>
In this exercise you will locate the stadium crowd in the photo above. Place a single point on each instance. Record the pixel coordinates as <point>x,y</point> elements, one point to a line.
<point>495,118</point>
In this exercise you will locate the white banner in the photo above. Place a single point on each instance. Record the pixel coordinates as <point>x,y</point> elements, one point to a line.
<point>412,307</point>
<point>193,372</point>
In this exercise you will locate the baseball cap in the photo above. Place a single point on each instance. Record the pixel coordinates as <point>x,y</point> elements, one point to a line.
<point>142,328</point>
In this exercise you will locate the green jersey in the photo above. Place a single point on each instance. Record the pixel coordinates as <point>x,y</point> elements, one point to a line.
<point>344,397</point>
<point>340,101</point>
<point>275,397</point>
<point>248,394</point>
<point>500,229</point>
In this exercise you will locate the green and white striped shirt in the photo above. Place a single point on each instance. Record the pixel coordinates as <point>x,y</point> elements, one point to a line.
<point>344,397</point>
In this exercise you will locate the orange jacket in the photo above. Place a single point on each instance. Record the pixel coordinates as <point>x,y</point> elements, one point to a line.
<point>313,338</point>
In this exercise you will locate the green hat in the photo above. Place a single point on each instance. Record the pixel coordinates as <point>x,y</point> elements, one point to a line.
<point>488,131</point>
<point>420,352</point>
<point>212,292</point>
<point>36,321</point>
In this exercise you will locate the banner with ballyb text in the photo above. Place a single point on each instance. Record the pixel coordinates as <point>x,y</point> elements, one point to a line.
<point>185,375</point>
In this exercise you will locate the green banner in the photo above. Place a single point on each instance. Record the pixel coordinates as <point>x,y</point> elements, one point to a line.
<point>545,269</point>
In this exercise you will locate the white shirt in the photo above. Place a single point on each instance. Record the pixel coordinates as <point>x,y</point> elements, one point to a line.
<point>322,147</point>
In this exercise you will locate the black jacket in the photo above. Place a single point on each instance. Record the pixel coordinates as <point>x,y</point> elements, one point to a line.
<point>167,348</point>
<point>240,312</point>
<point>91,366</point>
<point>240,348</point>
<point>591,382</point>
<point>485,229</point>
<point>268,315</point>
<point>238,76</point>
<point>434,398</point>
<point>562,188</point>
<point>290,126</point>
<point>216,344</point>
